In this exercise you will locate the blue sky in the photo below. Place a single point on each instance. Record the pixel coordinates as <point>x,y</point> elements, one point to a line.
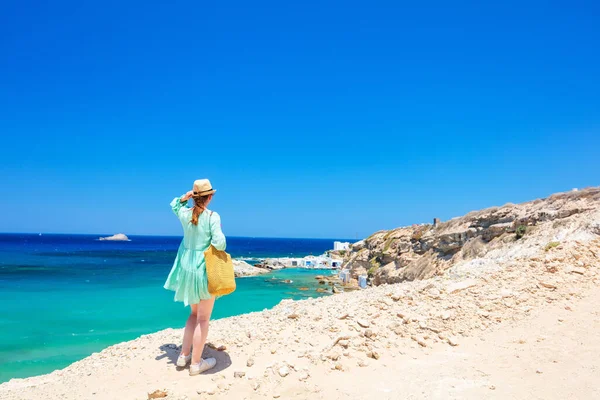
<point>313,119</point>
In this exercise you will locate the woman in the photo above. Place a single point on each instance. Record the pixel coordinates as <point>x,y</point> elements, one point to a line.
<point>201,228</point>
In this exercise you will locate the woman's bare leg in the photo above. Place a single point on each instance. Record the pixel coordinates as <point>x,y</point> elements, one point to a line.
<point>188,333</point>
<point>203,313</point>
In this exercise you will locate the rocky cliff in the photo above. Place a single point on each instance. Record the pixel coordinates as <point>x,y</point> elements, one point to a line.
<point>485,238</point>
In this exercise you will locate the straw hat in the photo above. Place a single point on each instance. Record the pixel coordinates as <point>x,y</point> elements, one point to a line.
<point>202,187</point>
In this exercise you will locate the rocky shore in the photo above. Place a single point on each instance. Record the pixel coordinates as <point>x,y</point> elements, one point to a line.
<point>470,315</point>
<point>242,269</point>
<point>492,236</point>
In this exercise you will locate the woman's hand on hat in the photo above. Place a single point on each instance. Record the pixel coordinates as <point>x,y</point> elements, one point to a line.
<point>187,196</point>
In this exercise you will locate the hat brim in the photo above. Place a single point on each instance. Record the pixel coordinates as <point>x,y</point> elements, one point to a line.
<point>208,192</point>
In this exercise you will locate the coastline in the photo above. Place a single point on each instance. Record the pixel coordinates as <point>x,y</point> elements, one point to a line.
<point>505,305</point>
<point>315,347</point>
<point>92,291</point>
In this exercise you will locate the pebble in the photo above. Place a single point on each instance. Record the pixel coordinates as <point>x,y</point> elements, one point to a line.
<point>284,371</point>
<point>304,375</point>
<point>363,363</point>
<point>548,285</point>
<point>239,374</point>
<point>250,362</point>
<point>211,390</point>
<point>452,341</point>
<point>363,323</point>
<point>420,340</point>
<point>578,270</point>
<point>157,394</point>
<point>434,329</point>
<point>459,286</point>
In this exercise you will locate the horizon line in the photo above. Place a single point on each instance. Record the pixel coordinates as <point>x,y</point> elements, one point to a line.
<point>171,236</point>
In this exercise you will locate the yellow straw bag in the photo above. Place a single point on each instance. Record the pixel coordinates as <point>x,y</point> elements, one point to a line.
<point>219,271</point>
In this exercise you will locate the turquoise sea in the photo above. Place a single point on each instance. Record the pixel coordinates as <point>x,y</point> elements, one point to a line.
<point>63,297</point>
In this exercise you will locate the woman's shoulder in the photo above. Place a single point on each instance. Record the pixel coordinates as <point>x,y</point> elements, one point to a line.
<point>212,214</point>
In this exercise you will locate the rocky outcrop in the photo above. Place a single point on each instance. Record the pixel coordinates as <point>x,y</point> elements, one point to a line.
<point>118,237</point>
<point>242,268</point>
<point>423,251</point>
<point>272,264</point>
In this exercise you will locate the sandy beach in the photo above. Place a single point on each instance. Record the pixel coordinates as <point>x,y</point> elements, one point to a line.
<point>519,322</point>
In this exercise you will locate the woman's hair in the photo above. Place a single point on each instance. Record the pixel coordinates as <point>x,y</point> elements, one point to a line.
<point>199,206</point>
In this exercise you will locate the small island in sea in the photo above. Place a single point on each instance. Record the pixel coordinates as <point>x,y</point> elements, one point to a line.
<point>119,237</point>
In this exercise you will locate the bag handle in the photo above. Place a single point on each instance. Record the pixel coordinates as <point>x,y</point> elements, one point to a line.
<point>210,226</point>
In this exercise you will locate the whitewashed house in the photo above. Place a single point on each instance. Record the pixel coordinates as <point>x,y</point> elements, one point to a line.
<point>341,246</point>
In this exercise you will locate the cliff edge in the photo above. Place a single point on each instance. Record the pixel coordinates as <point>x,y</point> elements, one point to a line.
<point>480,240</point>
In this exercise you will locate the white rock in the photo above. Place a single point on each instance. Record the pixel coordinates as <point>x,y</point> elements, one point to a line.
<point>458,286</point>
<point>304,375</point>
<point>118,237</point>
<point>363,323</point>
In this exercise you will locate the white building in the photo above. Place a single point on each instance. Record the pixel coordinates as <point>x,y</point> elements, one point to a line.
<point>309,262</point>
<point>341,246</point>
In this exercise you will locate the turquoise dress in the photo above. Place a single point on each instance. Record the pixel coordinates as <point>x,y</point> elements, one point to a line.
<point>188,275</point>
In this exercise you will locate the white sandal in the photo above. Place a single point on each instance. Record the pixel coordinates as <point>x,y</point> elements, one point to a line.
<point>204,365</point>
<point>182,360</point>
